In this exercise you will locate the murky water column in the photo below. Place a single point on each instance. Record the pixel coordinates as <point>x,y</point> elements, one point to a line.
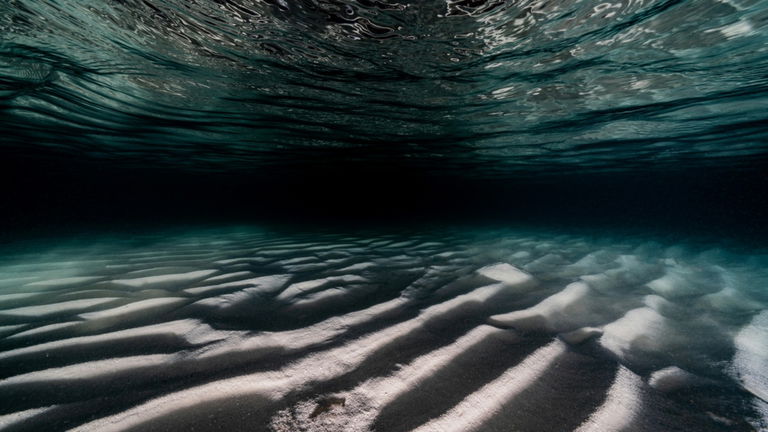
<point>250,329</point>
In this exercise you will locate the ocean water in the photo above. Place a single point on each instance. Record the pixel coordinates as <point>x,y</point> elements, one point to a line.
<point>488,87</point>
<point>384,215</point>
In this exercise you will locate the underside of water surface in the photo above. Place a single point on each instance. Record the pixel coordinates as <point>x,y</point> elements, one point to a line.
<point>384,215</point>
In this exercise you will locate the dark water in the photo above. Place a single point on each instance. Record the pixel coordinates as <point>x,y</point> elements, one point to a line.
<point>641,110</point>
<point>380,215</point>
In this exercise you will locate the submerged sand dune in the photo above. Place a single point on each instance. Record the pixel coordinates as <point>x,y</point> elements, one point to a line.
<point>452,331</point>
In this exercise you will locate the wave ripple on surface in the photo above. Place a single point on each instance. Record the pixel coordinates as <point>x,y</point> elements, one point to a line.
<point>487,88</point>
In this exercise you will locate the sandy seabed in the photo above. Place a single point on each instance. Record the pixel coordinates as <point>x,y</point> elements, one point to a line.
<point>250,329</point>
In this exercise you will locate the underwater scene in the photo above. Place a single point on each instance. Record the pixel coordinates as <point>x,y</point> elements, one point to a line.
<point>384,215</point>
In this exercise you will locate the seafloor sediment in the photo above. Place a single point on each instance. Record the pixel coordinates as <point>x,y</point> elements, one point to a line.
<point>249,329</point>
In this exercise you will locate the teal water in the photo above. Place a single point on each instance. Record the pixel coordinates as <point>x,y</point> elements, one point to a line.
<point>481,88</point>
<point>382,215</point>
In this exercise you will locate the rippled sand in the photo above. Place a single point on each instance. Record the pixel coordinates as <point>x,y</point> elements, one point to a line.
<point>453,331</point>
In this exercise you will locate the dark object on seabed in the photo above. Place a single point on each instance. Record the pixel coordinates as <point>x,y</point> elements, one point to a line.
<point>327,404</point>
